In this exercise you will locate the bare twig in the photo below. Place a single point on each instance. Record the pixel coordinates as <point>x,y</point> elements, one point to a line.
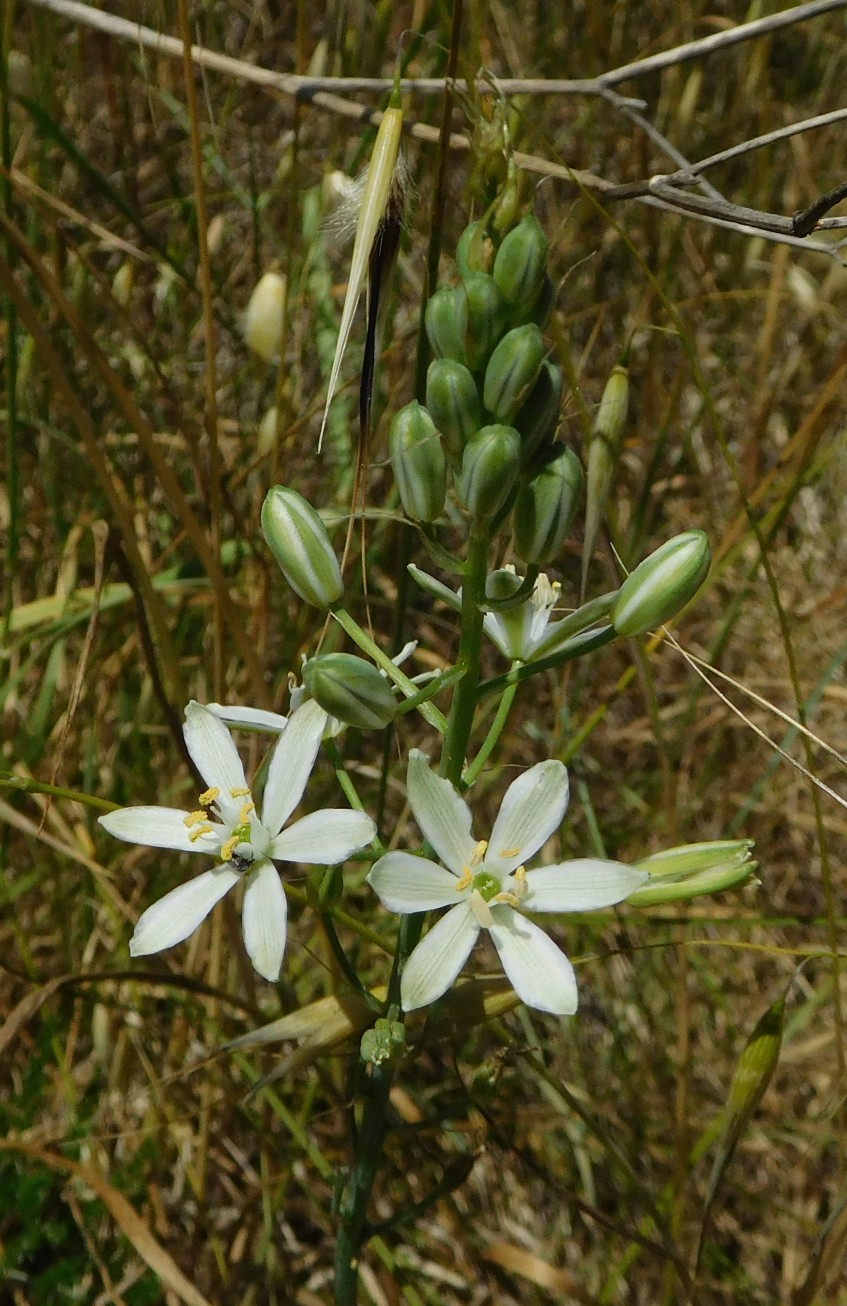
<point>663,192</point>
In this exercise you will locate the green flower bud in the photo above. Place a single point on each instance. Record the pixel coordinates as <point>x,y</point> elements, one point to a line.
<point>442,324</point>
<point>545,508</point>
<point>662,584</point>
<point>539,414</point>
<point>520,265</point>
<point>540,311</point>
<point>512,371</point>
<point>614,405</point>
<point>602,457</point>
<point>509,200</point>
<point>350,689</point>
<point>694,869</point>
<point>482,318</point>
<point>453,401</point>
<point>420,467</point>
<point>297,538</point>
<point>475,250</point>
<point>489,469</point>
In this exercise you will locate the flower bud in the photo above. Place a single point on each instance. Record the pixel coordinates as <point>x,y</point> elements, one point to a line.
<point>351,689</point>
<point>264,316</point>
<point>512,370</point>
<point>662,584</point>
<point>297,538</point>
<point>453,401</point>
<point>442,324</point>
<point>520,265</point>
<point>693,869</point>
<point>614,405</point>
<point>509,200</point>
<point>545,508</point>
<point>542,307</point>
<point>122,283</point>
<point>481,316</point>
<point>474,250</point>
<point>489,469</point>
<point>539,414</point>
<point>420,467</point>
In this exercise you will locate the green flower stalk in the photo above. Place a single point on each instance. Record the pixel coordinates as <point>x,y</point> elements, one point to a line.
<point>297,538</point>
<point>350,689</point>
<point>662,584</point>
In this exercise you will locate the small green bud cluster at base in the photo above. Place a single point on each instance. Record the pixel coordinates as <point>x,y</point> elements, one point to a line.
<point>297,538</point>
<point>350,689</point>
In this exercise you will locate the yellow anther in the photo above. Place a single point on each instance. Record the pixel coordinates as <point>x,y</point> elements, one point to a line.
<point>194,818</point>
<point>200,831</point>
<point>511,898</point>
<point>508,852</point>
<point>521,886</point>
<point>229,848</point>
<point>244,814</point>
<point>479,852</point>
<point>209,796</point>
<point>239,793</point>
<point>465,881</point>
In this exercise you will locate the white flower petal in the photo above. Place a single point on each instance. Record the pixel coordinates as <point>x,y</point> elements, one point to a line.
<point>438,958</point>
<point>533,807</point>
<point>249,718</point>
<point>263,919</point>
<point>214,754</point>
<point>581,885</point>
<point>407,884</point>
<point>442,815</point>
<point>291,764</point>
<point>324,838</point>
<point>539,972</point>
<point>159,827</point>
<point>174,917</point>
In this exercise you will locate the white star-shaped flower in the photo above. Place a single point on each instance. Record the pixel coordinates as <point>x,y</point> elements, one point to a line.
<point>226,825</point>
<point>487,886</point>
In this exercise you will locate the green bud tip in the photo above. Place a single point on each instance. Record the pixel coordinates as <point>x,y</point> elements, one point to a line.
<point>662,584</point>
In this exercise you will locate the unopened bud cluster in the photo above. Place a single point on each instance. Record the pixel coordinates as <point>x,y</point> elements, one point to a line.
<point>493,396</point>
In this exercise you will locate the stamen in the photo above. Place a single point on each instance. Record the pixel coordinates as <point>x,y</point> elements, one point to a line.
<point>240,793</point>
<point>244,814</point>
<point>479,852</point>
<point>200,831</point>
<point>228,848</point>
<point>194,818</point>
<point>521,885</point>
<point>209,796</point>
<point>480,909</point>
<point>508,852</point>
<point>511,898</point>
<point>465,880</point>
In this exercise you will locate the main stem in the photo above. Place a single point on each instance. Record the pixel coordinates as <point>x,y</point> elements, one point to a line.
<point>376,1082</point>
<point>463,706</point>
